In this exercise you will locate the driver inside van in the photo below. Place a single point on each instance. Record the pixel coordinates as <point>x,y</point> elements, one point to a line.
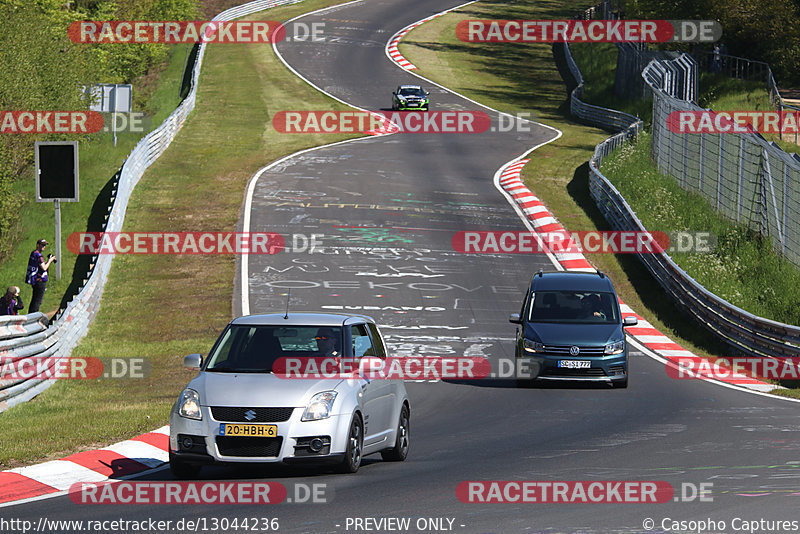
<point>592,306</point>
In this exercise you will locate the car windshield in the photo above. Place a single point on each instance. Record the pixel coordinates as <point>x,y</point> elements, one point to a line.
<point>411,91</point>
<point>585,307</point>
<point>254,349</point>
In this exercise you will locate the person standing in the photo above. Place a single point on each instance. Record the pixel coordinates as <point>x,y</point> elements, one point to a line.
<point>37,274</point>
<point>716,62</point>
<point>11,303</point>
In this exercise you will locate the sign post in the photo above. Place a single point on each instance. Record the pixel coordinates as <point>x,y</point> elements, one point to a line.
<point>57,181</point>
<point>111,98</point>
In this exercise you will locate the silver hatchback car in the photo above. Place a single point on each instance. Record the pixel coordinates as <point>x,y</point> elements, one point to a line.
<point>244,407</point>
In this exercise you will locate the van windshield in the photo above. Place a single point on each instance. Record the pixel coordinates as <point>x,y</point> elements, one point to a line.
<point>254,349</point>
<point>585,307</point>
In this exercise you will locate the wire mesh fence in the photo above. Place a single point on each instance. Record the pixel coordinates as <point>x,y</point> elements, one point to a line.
<point>746,178</point>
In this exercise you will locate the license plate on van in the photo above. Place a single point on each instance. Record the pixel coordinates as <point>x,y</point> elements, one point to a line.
<point>574,364</point>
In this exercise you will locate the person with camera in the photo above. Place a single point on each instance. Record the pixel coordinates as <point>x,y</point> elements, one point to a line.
<point>37,274</point>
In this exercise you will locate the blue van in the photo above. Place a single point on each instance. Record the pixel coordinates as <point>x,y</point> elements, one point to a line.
<point>570,328</point>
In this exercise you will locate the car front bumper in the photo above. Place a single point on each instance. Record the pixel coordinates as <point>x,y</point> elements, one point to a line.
<point>610,368</point>
<point>292,443</point>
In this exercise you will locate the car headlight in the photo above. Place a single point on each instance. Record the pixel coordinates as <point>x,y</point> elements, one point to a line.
<point>401,99</point>
<point>532,346</point>
<point>320,406</point>
<point>190,405</point>
<point>615,347</point>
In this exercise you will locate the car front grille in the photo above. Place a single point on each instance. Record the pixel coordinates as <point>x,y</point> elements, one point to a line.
<point>565,371</point>
<point>247,446</point>
<point>563,350</point>
<point>262,415</point>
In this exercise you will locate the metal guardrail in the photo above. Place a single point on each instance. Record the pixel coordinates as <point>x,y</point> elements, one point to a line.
<point>745,332</point>
<point>27,336</point>
<point>609,119</point>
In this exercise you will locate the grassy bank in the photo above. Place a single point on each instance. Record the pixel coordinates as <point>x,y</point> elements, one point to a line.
<point>163,307</point>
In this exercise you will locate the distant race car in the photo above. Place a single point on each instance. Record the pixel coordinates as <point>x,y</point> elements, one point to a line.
<point>407,97</point>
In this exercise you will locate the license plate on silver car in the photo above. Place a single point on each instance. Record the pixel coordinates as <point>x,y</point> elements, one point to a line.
<point>574,364</point>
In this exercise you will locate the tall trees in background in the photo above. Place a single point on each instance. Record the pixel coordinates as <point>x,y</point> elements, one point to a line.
<point>766,30</point>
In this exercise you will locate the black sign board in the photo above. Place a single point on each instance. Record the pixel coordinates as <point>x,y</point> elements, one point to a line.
<point>57,171</point>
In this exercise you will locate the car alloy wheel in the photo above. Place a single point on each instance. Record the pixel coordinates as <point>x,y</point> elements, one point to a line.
<point>355,444</point>
<point>399,452</point>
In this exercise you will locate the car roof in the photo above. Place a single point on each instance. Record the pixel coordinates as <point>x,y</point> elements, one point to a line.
<point>409,87</point>
<point>302,319</point>
<point>571,281</point>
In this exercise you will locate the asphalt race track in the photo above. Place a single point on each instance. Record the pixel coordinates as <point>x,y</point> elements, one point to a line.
<point>386,209</point>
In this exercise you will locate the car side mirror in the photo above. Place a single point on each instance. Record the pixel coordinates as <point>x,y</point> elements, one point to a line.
<point>394,93</point>
<point>630,321</point>
<point>193,361</point>
<point>514,318</point>
<point>427,93</point>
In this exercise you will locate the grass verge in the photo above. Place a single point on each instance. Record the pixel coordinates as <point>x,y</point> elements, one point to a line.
<point>524,77</point>
<point>163,307</point>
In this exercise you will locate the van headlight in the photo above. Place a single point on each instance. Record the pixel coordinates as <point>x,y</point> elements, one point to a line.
<point>189,405</point>
<point>615,347</point>
<point>320,406</point>
<point>532,346</point>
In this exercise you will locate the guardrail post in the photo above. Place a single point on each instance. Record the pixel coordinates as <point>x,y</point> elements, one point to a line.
<point>739,182</point>
<point>719,168</point>
<point>702,154</point>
